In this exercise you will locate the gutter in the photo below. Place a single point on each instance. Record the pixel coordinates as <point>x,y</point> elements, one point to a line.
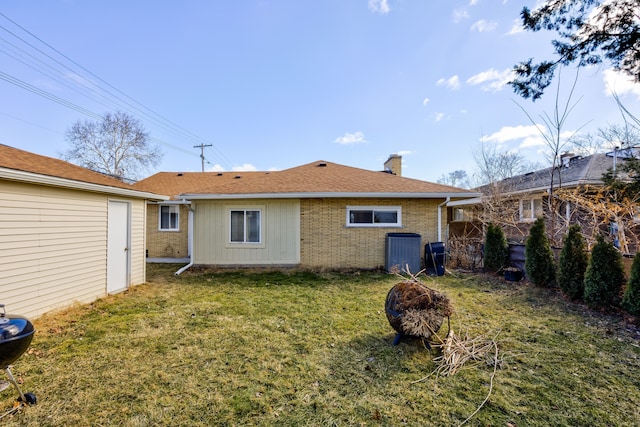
<point>186,267</point>
<point>311,195</point>
<point>447,200</point>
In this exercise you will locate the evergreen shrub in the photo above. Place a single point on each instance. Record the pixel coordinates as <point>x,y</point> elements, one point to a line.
<point>573,264</point>
<point>539,262</point>
<point>496,250</point>
<point>631,298</point>
<point>604,277</point>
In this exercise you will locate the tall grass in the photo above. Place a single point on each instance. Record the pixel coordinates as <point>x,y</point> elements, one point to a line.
<point>303,349</point>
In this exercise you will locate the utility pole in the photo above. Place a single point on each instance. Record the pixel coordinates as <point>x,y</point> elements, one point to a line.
<point>202,147</point>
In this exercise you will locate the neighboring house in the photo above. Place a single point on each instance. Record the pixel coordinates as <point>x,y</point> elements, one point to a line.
<point>516,202</point>
<point>67,234</point>
<point>318,215</point>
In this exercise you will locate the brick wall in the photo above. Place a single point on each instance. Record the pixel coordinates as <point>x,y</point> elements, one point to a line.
<point>167,244</point>
<point>326,242</point>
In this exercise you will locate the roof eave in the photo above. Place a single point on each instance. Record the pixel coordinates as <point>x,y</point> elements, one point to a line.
<point>52,181</point>
<point>565,186</point>
<point>466,202</point>
<point>321,195</point>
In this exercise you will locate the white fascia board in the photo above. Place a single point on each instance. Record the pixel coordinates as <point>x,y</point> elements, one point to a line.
<point>325,195</point>
<point>53,181</point>
<point>171,202</point>
<point>466,202</point>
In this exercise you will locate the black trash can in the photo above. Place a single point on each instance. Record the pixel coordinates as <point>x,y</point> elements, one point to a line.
<point>402,252</point>
<point>434,257</point>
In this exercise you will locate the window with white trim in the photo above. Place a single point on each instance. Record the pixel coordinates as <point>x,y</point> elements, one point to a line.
<point>530,209</point>
<point>169,218</point>
<point>374,216</point>
<point>245,226</point>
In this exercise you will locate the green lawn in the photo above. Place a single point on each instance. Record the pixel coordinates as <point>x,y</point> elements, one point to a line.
<point>303,349</point>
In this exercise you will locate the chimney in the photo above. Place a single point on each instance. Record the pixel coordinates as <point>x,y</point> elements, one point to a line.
<point>394,165</point>
<point>565,158</point>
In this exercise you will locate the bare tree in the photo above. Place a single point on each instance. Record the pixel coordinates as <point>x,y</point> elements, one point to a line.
<point>556,140</point>
<point>456,178</point>
<point>117,145</point>
<point>597,209</point>
<point>606,139</point>
<point>493,165</point>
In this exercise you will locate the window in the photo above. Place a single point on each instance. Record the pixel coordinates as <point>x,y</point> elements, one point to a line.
<point>245,226</point>
<point>530,209</point>
<point>169,218</point>
<point>461,214</point>
<point>384,216</point>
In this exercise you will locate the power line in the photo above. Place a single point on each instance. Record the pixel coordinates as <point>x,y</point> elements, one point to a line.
<point>49,96</point>
<point>103,94</point>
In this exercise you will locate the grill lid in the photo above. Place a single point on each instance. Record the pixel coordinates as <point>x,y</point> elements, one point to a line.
<point>13,327</point>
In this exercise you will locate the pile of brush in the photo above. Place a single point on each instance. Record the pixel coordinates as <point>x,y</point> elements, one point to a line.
<point>458,351</point>
<point>415,310</point>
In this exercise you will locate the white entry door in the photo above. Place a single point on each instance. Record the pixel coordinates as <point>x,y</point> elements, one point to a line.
<point>118,257</point>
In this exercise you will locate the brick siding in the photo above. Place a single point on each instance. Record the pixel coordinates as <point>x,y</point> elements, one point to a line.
<point>167,244</point>
<point>326,242</point>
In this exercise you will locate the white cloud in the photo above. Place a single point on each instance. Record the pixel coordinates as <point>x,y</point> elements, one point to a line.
<point>528,135</point>
<point>247,167</point>
<point>452,83</point>
<point>439,117</point>
<point>425,101</point>
<point>404,153</point>
<point>473,2</point>
<point>379,6</point>
<point>492,80</point>
<point>482,26</point>
<point>460,15</point>
<point>619,83</point>
<point>351,138</point>
<point>524,136</point>
<point>516,27</point>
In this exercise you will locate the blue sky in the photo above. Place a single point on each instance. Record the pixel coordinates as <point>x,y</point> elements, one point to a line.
<point>274,84</point>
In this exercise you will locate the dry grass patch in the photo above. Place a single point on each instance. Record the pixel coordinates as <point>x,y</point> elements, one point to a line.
<point>295,349</point>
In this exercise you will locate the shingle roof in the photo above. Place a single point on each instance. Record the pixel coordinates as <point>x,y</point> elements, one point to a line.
<point>320,177</point>
<point>24,161</point>
<point>577,171</point>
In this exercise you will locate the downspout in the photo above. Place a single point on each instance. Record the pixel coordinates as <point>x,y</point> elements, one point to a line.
<point>190,238</point>
<point>447,200</point>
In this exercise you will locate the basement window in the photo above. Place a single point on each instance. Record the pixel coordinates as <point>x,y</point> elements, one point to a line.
<point>169,218</point>
<point>374,216</point>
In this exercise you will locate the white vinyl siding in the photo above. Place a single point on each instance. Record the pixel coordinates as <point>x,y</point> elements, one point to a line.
<point>138,242</point>
<point>53,245</point>
<point>280,233</point>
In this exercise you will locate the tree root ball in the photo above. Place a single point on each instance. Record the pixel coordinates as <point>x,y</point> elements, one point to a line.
<point>413,309</point>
